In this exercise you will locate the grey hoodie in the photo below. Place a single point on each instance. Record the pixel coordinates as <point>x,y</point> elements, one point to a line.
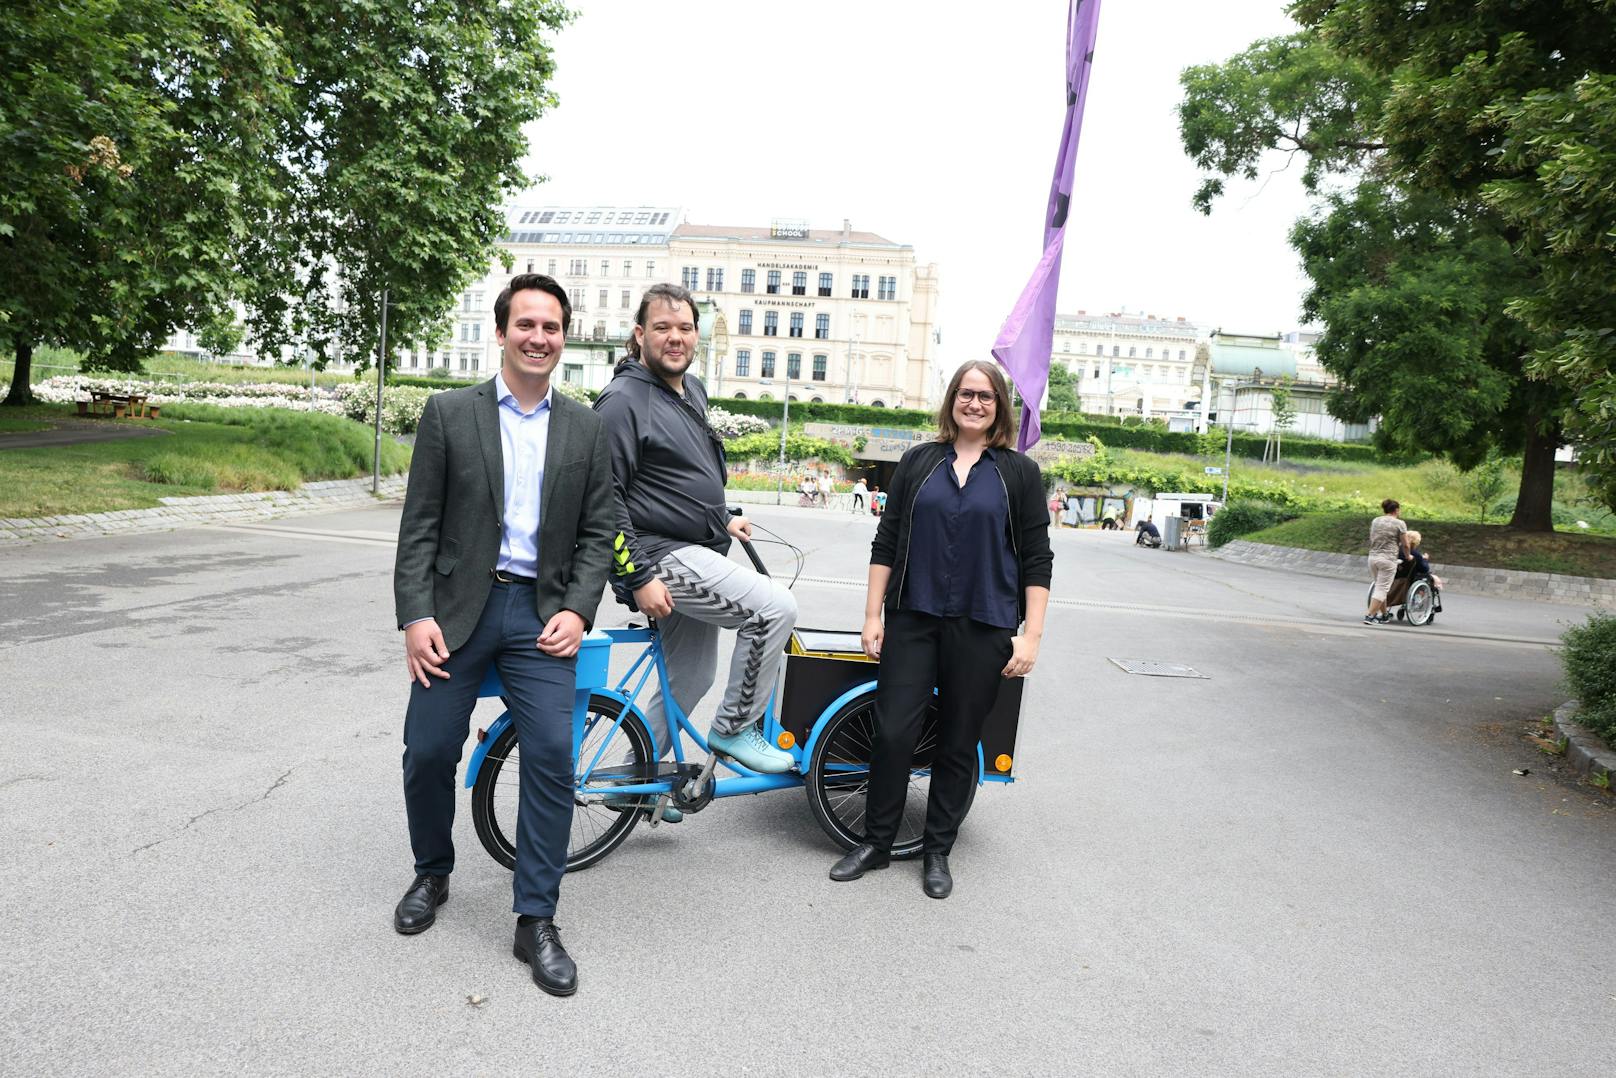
<point>668,466</point>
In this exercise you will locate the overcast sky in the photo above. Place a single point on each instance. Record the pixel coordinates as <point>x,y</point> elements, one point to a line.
<point>934,125</point>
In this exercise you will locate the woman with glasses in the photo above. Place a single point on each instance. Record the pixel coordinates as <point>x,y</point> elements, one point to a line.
<point>960,563</point>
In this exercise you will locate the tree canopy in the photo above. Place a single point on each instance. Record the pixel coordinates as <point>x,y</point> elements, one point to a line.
<point>1457,150</point>
<point>168,161</point>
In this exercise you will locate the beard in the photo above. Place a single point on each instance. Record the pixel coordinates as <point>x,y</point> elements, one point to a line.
<point>664,368</point>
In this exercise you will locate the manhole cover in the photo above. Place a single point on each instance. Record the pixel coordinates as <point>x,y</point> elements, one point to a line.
<point>1152,668</point>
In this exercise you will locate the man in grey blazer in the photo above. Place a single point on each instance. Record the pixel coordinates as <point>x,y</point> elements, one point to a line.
<point>503,552</point>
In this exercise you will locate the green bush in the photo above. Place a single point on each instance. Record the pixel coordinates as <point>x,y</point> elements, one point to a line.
<point>1589,658</point>
<point>1242,517</point>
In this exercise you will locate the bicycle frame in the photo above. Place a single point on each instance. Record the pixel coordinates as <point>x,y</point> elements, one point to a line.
<point>594,655</point>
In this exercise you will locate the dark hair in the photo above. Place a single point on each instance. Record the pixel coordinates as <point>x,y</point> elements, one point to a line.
<point>672,295</point>
<point>540,283</point>
<point>1390,505</point>
<point>1003,430</point>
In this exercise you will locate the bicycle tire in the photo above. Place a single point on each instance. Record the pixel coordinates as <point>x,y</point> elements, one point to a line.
<point>596,829</point>
<point>836,781</point>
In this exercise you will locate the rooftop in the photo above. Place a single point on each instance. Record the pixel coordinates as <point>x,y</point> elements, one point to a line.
<point>793,235</point>
<point>591,224</point>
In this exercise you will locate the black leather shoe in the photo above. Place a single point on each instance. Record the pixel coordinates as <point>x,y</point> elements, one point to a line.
<point>419,907</point>
<point>935,878</point>
<point>857,861</point>
<point>539,945</point>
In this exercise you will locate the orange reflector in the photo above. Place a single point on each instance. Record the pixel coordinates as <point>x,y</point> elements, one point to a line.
<point>1002,762</point>
<point>787,739</point>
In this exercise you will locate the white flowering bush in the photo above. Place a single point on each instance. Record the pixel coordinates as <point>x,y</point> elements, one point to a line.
<point>67,388</point>
<point>401,405</point>
<point>729,425</point>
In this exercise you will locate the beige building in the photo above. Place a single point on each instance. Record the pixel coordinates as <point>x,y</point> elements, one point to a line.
<point>823,315</point>
<point>1127,364</point>
<point>839,316</point>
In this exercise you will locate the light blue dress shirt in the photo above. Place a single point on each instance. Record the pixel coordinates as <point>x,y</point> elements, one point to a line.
<point>523,437</point>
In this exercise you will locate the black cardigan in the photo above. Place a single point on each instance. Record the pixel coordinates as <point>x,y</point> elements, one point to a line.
<point>1029,518</point>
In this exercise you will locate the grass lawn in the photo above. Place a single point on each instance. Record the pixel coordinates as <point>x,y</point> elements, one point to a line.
<point>1450,543</point>
<point>208,450</point>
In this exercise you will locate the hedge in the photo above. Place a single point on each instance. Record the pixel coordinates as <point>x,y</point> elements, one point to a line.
<point>1075,427</point>
<point>1589,658</point>
<point>1242,517</point>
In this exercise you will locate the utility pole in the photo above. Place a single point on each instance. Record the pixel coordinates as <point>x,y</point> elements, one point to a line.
<point>1228,445</point>
<point>381,379</point>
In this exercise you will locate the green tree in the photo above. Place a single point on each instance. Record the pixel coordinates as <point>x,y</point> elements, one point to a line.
<point>1484,483</point>
<point>133,134</point>
<point>1284,407</point>
<point>1062,389</point>
<point>1564,203</point>
<point>400,145</point>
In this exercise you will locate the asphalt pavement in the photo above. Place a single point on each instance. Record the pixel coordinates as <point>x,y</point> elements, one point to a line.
<point>1316,861</point>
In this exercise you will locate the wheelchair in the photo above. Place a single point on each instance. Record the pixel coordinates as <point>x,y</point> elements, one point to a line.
<point>1413,597</point>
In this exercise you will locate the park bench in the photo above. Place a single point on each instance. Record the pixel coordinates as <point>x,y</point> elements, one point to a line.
<point>117,405</point>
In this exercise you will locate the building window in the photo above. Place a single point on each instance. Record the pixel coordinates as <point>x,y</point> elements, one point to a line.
<point>530,265</point>
<point>572,372</point>
<point>773,286</point>
<point>690,277</point>
<point>766,366</point>
<point>771,323</point>
<point>715,280</point>
<point>628,299</point>
<point>799,283</point>
<point>822,327</point>
<point>577,295</point>
<point>1131,351</point>
<point>796,323</point>
<point>1150,353</point>
<point>821,366</point>
<point>749,280</point>
<point>465,330</point>
<point>1116,349</point>
<point>889,288</point>
<point>605,268</point>
<point>628,269</point>
<point>746,322</point>
<point>861,286</point>
<point>1095,373</point>
<point>605,299</point>
<point>1181,354</point>
<point>793,365</point>
<point>551,270</point>
<point>824,284</point>
<point>650,268</point>
<point>600,331</point>
<point>743,363</point>
<point>740,396</point>
<point>578,267</point>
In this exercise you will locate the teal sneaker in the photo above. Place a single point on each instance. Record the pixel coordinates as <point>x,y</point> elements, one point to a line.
<point>622,802</point>
<point>749,749</point>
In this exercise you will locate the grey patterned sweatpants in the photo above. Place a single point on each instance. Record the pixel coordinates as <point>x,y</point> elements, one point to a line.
<point>711,592</point>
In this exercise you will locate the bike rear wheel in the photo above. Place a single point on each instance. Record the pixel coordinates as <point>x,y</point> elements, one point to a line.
<point>597,829</point>
<point>839,777</point>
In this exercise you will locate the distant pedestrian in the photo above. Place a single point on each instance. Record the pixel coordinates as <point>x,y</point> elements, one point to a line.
<point>878,501</point>
<point>1147,534</point>
<point>1388,545</point>
<point>859,491</point>
<point>1056,501</point>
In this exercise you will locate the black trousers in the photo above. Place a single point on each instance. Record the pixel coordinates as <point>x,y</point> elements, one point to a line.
<point>540,690</point>
<point>962,659</point>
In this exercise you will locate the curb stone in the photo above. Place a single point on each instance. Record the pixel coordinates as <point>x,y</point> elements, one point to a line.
<point>1460,579</point>
<point>206,509</point>
<point>1586,753</point>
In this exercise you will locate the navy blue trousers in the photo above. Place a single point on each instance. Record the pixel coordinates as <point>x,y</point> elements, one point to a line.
<point>539,689</point>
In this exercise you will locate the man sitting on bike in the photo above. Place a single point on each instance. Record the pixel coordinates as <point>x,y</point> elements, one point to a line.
<point>673,534</point>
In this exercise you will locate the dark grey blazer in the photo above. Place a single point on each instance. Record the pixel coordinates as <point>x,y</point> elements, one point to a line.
<point>448,540</point>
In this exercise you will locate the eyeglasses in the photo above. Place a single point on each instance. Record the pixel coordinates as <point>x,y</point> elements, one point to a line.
<point>966,396</point>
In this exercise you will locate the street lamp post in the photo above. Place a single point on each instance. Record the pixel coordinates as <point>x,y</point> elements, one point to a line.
<point>381,379</point>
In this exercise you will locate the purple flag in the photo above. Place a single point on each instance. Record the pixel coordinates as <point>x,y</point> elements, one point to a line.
<point>1028,335</point>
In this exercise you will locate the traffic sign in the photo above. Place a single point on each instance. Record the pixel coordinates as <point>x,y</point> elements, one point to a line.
<point>1214,471</point>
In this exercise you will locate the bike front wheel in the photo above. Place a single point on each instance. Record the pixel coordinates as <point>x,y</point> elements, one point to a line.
<point>839,777</point>
<point>597,828</point>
